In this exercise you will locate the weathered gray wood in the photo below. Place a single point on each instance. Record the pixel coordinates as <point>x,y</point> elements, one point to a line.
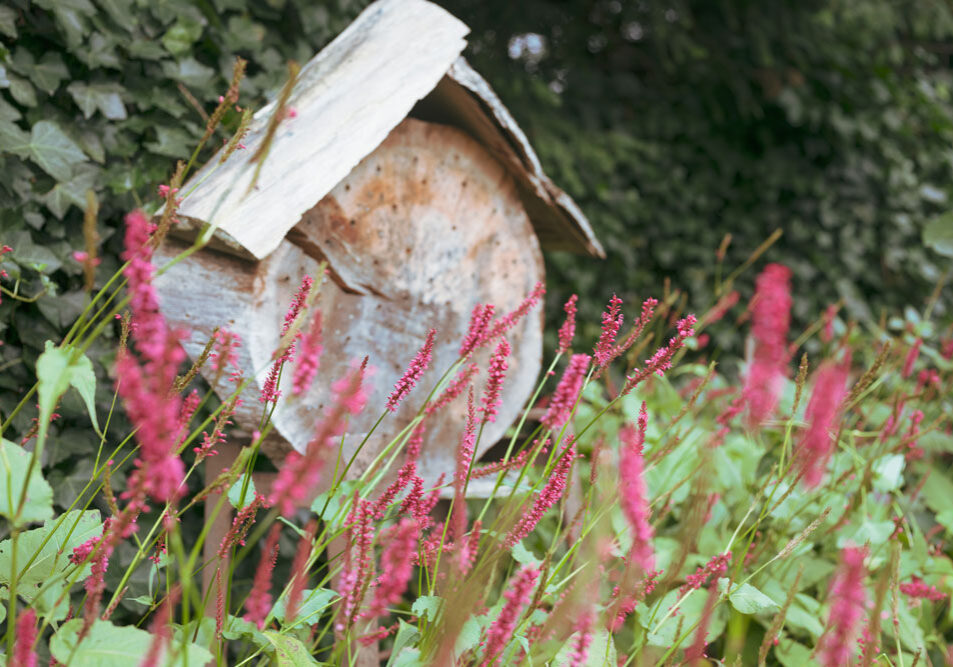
<point>421,230</point>
<point>349,97</point>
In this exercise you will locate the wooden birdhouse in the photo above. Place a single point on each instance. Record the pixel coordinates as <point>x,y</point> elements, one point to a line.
<point>403,171</point>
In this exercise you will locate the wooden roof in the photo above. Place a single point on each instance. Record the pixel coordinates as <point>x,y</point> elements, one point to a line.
<point>398,56</point>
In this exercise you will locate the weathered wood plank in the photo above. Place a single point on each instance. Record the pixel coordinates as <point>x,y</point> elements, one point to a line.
<point>349,97</point>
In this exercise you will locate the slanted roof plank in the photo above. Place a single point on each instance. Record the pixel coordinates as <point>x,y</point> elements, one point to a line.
<point>348,99</point>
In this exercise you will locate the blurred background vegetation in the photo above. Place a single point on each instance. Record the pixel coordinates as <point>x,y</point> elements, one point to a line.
<point>671,122</point>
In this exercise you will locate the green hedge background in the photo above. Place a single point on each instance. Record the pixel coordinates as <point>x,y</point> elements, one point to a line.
<point>671,122</point>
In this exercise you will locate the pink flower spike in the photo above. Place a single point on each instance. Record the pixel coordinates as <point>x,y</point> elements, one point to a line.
<point>771,319</point>
<point>567,392</point>
<point>912,357</point>
<point>299,571</point>
<point>269,391</point>
<point>580,647</point>
<point>464,460</point>
<point>827,333</point>
<point>568,329</point>
<point>823,410</point>
<point>848,597</point>
<point>478,330</point>
<point>413,373</point>
<point>161,631</point>
<point>648,311</point>
<point>501,630</point>
<point>301,473</point>
<point>258,603</point>
<point>611,323</point>
<point>455,388</point>
<point>310,357</point>
<point>661,361</point>
<point>396,566</point>
<point>510,320</point>
<point>634,493</point>
<point>915,588</point>
<point>548,497</point>
<point>23,653</point>
<point>494,384</point>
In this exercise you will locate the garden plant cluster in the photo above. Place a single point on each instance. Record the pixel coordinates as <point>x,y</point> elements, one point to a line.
<point>655,504</point>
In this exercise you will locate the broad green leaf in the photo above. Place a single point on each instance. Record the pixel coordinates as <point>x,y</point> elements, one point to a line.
<point>470,633</point>
<point>938,234</point>
<point>427,605</point>
<point>409,657</point>
<point>406,634</point>
<point>235,493</point>
<point>108,645</point>
<point>55,372</point>
<point>43,553</point>
<point>792,654</point>
<point>14,463</point>
<point>524,556</point>
<point>313,602</point>
<point>937,490</point>
<point>888,472</point>
<point>329,507</point>
<point>49,72</point>
<point>53,151</point>
<point>8,18</point>
<point>802,619</point>
<point>289,651</point>
<point>874,532</point>
<point>749,600</point>
<point>102,96</point>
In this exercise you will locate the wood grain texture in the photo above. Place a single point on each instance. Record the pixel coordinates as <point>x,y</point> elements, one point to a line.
<point>464,99</point>
<point>422,229</point>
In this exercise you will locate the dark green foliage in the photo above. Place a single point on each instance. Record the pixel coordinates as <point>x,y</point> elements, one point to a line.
<point>679,122</point>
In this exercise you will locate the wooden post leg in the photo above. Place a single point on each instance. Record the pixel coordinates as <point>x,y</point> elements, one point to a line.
<point>219,524</point>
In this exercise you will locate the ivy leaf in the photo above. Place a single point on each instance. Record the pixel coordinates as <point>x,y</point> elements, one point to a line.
<point>13,139</point>
<point>289,651</point>
<point>53,151</point>
<point>190,72</point>
<point>121,12</point>
<point>178,39</point>
<point>107,645</point>
<point>749,600</point>
<point>102,96</point>
<point>14,464</point>
<point>172,142</point>
<point>22,90</point>
<point>49,72</point>
<point>8,22</point>
<point>71,192</point>
<point>938,234</point>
